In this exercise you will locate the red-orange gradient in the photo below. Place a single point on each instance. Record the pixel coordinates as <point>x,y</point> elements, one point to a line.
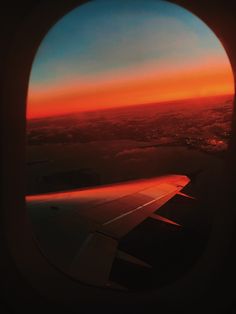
<point>131,87</point>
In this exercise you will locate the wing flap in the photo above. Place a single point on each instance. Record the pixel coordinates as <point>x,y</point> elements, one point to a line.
<point>94,261</point>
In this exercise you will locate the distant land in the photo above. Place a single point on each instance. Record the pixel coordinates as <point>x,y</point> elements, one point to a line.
<point>203,124</point>
<point>107,146</point>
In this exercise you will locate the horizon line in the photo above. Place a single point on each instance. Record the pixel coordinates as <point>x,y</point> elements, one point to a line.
<point>130,105</point>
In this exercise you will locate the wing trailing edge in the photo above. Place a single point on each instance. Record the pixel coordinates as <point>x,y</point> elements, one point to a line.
<point>94,261</point>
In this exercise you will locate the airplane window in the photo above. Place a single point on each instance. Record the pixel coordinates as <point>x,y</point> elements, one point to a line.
<point>128,121</point>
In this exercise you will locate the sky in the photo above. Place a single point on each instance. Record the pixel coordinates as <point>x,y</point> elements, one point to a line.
<point>113,53</point>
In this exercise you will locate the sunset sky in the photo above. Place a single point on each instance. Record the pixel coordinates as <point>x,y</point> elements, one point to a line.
<point>112,53</point>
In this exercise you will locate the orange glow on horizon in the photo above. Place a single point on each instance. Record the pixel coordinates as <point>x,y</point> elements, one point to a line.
<point>132,87</point>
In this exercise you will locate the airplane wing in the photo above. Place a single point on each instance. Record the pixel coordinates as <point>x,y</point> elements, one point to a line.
<point>104,214</point>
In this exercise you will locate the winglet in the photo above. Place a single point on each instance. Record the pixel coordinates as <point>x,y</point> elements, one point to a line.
<point>194,174</point>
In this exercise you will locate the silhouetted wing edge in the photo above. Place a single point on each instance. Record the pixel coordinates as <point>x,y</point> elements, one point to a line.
<point>93,263</point>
